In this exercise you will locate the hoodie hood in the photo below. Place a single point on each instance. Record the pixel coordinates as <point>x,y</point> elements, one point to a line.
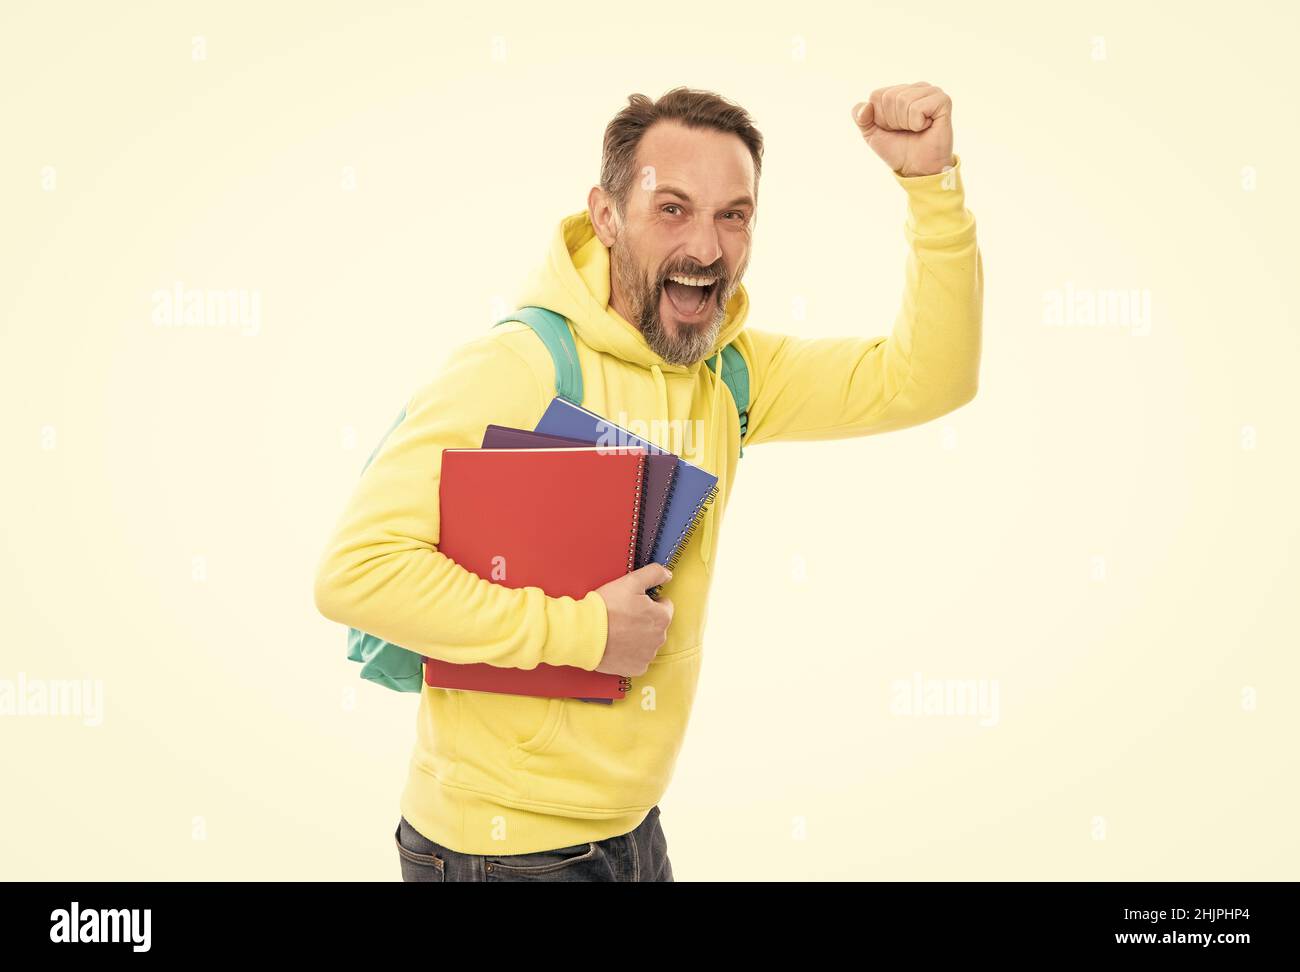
<point>574,280</point>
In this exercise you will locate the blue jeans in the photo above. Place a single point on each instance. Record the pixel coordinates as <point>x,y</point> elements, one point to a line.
<point>640,855</point>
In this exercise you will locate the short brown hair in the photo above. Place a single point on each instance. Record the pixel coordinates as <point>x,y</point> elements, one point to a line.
<point>689,106</point>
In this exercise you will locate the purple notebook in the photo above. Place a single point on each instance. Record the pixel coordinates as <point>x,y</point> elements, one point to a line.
<point>504,437</point>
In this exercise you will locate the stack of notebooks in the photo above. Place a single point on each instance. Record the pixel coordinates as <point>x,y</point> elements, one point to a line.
<point>567,507</point>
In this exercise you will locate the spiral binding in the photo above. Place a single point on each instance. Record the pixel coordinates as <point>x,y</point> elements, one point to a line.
<point>688,531</point>
<point>668,501</point>
<point>649,543</point>
<point>636,513</point>
<point>654,592</point>
<point>684,537</point>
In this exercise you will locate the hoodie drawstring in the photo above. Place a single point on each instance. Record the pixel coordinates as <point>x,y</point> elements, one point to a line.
<point>661,385</point>
<point>706,544</point>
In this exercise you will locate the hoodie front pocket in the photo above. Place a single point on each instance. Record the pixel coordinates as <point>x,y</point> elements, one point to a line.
<point>539,740</point>
<point>620,756</point>
<point>497,731</point>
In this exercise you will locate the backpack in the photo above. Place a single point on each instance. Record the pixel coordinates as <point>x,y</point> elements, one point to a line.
<point>401,669</point>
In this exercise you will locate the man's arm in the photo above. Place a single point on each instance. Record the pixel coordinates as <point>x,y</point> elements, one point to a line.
<point>840,387</point>
<point>381,571</point>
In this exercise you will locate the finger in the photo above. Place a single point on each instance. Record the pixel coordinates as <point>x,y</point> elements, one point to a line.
<point>882,100</point>
<point>911,111</point>
<point>922,112</point>
<point>864,116</point>
<point>651,575</point>
<point>896,104</point>
<point>877,101</point>
<point>891,104</point>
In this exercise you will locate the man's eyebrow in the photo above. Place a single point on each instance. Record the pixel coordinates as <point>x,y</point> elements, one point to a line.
<point>674,191</point>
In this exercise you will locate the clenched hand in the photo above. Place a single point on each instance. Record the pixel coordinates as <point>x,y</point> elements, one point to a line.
<point>909,126</point>
<point>638,625</point>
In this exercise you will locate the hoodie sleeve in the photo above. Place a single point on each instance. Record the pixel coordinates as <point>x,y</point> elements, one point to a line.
<point>381,571</point>
<point>840,387</point>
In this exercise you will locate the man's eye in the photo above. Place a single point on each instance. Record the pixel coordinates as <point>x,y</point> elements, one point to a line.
<point>670,206</point>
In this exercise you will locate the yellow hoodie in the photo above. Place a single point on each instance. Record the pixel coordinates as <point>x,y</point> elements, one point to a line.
<point>503,774</point>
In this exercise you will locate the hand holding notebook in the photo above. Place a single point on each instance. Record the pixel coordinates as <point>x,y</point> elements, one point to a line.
<point>505,499</point>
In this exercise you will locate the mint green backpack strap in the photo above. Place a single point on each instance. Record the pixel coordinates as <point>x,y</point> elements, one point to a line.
<point>382,661</point>
<point>554,331</point>
<point>735,373</point>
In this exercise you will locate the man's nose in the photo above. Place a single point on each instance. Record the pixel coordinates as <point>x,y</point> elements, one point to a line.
<point>702,244</point>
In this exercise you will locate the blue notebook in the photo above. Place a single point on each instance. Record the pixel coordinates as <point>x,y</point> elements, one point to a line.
<point>690,494</point>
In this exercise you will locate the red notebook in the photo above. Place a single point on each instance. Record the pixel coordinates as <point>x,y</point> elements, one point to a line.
<point>564,520</point>
<point>659,473</point>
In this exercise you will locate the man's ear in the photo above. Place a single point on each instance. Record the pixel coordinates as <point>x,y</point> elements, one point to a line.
<point>604,219</point>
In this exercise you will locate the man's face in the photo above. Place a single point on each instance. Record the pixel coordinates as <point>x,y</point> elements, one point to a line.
<point>688,215</point>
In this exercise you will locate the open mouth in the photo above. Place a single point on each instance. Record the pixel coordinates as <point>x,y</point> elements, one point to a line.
<point>690,296</point>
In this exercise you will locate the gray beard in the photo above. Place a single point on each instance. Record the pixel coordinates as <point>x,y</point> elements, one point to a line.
<point>691,344</point>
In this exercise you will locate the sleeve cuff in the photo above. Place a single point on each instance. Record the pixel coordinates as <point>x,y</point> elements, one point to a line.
<point>936,203</point>
<point>576,631</point>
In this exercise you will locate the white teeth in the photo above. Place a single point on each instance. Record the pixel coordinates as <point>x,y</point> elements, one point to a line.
<point>690,281</point>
